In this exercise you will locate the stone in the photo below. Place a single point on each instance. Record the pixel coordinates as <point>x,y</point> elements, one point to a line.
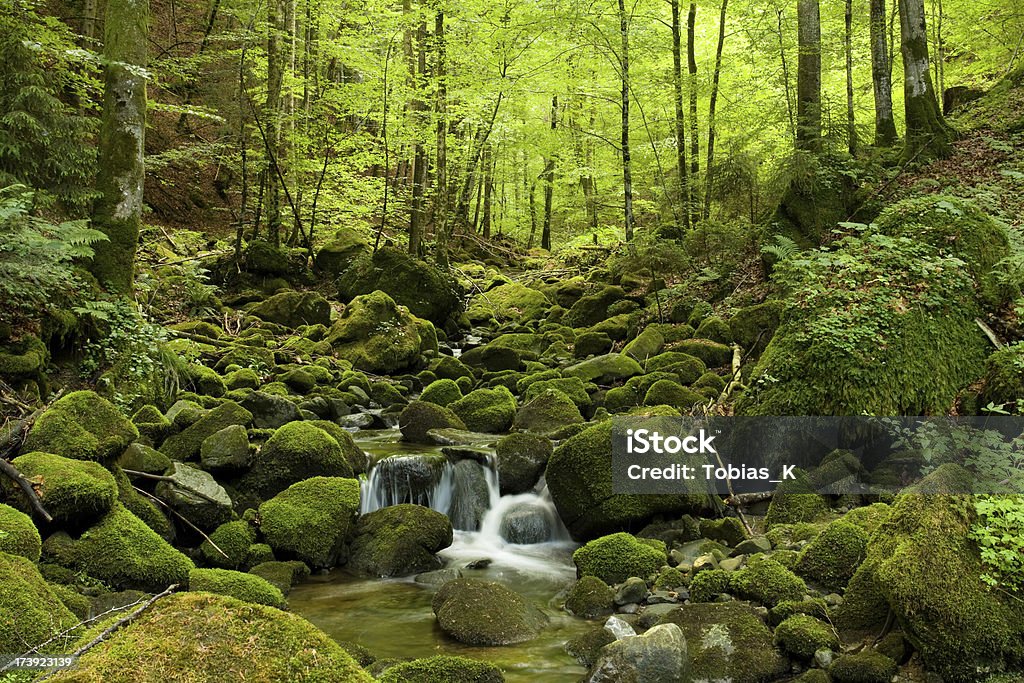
<point>634,590</point>
<point>484,613</point>
<point>657,656</point>
<point>399,540</point>
<point>196,495</point>
<point>226,450</point>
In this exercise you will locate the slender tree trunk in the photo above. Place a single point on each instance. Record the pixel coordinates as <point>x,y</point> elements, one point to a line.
<point>122,144</point>
<point>881,77</point>
<point>441,224</point>
<point>466,193</point>
<point>851,120</point>
<point>485,221</point>
<point>89,21</point>
<point>533,214</point>
<point>677,82</point>
<point>785,78</point>
<point>691,61</point>
<point>549,183</point>
<point>485,161</point>
<point>627,169</point>
<point>417,217</point>
<point>808,81</point>
<point>927,131</point>
<point>710,173</point>
<point>275,77</point>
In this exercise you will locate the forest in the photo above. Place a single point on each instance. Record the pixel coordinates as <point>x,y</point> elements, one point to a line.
<point>323,324</point>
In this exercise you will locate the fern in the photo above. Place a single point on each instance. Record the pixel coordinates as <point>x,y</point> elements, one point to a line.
<point>783,249</point>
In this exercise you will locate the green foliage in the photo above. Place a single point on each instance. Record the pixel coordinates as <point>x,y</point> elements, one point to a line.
<point>999,533</point>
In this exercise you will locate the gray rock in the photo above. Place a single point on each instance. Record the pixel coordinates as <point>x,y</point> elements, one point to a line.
<point>658,656</point>
<point>356,420</point>
<point>633,590</point>
<point>661,597</point>
<point>526,523</point>
<point>484,613</point>
<point>619,628</point>
<point>227,449</point>
<point>270,411</point>
<point>470,496</point>
<point>752,546</point>
<point>733,563</point>
<point>823,657</point>
<point>196,495</point>
<point>439,577</point>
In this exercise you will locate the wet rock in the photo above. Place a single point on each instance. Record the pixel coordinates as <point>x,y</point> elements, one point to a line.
<point>526,523</point>
<point>521,459</point>
<point>485,613</point>
<point>227,449</point>
<point>590,597</point>
<point>634,590</point>
<point>439,577</point>
<point>196,495</point>
<point>420,417</point>
<point>658,656</point>
<point>399,540</point>
<point>619,627</point>
<point>470,495</point>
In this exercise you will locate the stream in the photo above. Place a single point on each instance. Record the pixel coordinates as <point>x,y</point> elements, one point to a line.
<point>393,617</point>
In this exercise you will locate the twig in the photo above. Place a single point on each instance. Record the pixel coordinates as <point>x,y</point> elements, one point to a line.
<point>182,518</point>
<point>741,499</point>
<point>176,482</point>
<point>989,333</point>
<point>26,486</point>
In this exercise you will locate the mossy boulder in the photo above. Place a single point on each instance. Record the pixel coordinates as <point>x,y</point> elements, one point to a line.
<point>579,478</point>
<point>353,454</point>
<point>447,668</point>
<point>728,641</point>
<point>727,530</point>
<point>83,426</point>
<point>376,335</point>
<point>795,501</point>
<point>754,326</point>
<point>713,354</point>
<point>508,302</point>
<point>238,585</point>
<point>141,458</point>
<point>75,492</point>
<point>646,345</point>
<point>573,387</point>
<point>202,380</point>
<point>765,580</point>
<point>867,666</point>
<point>441,392</point>
<point>338,254</point>
<point>427,291</point>
<point>1004,377</point>
<point>243,378</point>
<point>715,329</point>
<point>616,557</point>
<point>221,637</point>
<point>312,520</point>
<point>547,414</point>
<point>485,613</point>
<point>420,417</point>
<point>496,358</point>
<point>296,451</point>
<point>802,635</point>
<point>834,555</point>
<point>685,367</point>
<point>151,423</point>
<point>607,369</point>
<point>24,359</point>
<point>668,393</point>
<point>226,450</point>
<point>283,575</point>
<point>18,535</point>
<point>229,544</point>
<point>521,459</point>
<point>591,344</point>
<point>590,597</point>
<point>449,367</point>
<point>196,495</point>
<point>593,308</point>
<point>187,444</point>
<point>123,552</point>
<point>708,584</point>
<point>32,612</point>
<point>399,540</point>
<point>486,410</point>
<point>294,309</point>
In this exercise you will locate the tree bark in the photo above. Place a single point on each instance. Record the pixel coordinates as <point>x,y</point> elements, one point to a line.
<point>711,111</point>
<point>627,169</point>
<point>441,225</point>
<point>808,112</point>
<point>677,82</point>
<point>122,144</point>
<point>275,77</point>
<point>927,131</point>
<point>785,77</point>
<point>417,216</point>
<point>489,166</point>
<point>881,77</point>
<point>851,120</point>
<point>549,183</point>
<point>691,61</point>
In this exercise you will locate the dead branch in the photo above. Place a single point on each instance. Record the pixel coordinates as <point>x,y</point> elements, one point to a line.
<point>175,482</point>
<point>182,518</point>
<point>742,499</point>
<point>26,486</point>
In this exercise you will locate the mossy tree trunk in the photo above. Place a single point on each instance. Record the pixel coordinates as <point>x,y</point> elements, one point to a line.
<point>549,182</point>
<point>627,163</point>
<point>680,119</point>
<point>881,77</point>
<point>122,142</point>
<point>928,134</point>
<point>275,79</point>
<point>441,224</point>
<point>808,78</point>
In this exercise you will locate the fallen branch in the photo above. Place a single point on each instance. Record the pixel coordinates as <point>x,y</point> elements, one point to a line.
<point>175,482</point>
<point>182,518</point>
<point>10,442</point>
<point>26,486</point>
<point>989,333</point>
<point>742,499</point>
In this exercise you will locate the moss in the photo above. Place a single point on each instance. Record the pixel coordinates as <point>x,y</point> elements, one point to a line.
<point>728,641</point>
<point>493,358</point>
<point>795,501</point>
<point>484,613</point>
<point>709,584</point>
<point>802,635</point>
<point>73,491</point>
<point>18,535</point>
<point>592,344</point>
<point>24,359</point>
<point>647,345</point>
<point>151,423</point>
<point>243,378</point>
<point>699,311</point>
<point>521,458</point>
<point>590,597</point>
<point>186,444</point>
<point>586,648</point>
<point>399,540</point>
<point>711,353</point>
<point>754,326</point>
<point>33,613</point>
<point>814,676</point>
<point>78,604</point>
<point>814,607</point>
<point>140,506</point>
<point>312,519</point>
<point>1004,377</point>
<point>352,453</point>
<point>142,458</point>
<point>711,382</point>
<point>427,291</point>
<point>82,426</point>
<point>294,309</point>
<point>867,666</point>
<point>338,254</point>
<point>616,557</point>
<point>375,335</point>
<point>727,530</point>
<point>573,387</point>
<point>202,380</point>
<point>282,575</point>
<point>511,301</point>
<point>686,367</point>
<point>234,539</point>
<point>449,367</point>
<point>715,329</point>
<point>668,393</point>
<point>670,579</point>
<point>258,553</point>
<point>222,639</point>
<point>125,553</point>
<point>767,581</point>
<point>296,451</point>
<point>548,413</point>
<point>486,410</point>
<point>605,369</point>
<point>864,608</point>
<point>870,517</point>
<point>238,585</point>
<point>420,417</point>
<point>833,557</point>
<point>441,392</point>
<point>447,668</point>
<point>592,309</point>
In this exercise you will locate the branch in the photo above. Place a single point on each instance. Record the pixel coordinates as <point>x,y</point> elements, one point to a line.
<point>182,518</point>
<point>26,486</point>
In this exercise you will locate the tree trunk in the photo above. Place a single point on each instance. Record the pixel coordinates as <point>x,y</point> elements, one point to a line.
<point>441,225</point>
<point>881,77</point>
<point>275,77</point>
<point>419,173</point>
<point>549,183</point>
<point>677,82</point>
<point>808,80</point>
<point>89,22</point>
<point>122,144</point>
<point>710,172</point>
<point>485,221</point>
<point>627,170</point>
<point>851,120</point>
<point>533,214</point>
<point>785,78</point>
<point>927,131</point>
<point>691,60</point>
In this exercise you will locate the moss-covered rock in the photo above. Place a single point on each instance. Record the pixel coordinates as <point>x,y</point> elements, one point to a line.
<point>243,378</point>
<point>711,353</point>
<point>573,387</point>
<point>76,493</point>
<point>376,335</point>
<point>715,329</point>
<point>802,635</point>
<point>754,326</point>
<point>33,613</point>
<point>187,444</point>
<point>141,458</point>
<point>399,540</point>
<point>1004,377</point>
<point>765,580</point>
<point>591,344</point>
<point>337,255</point>
<point>708,584</point>
<point>833,557</point>
<point>867,666</point>
<point>449,367</point>
<point>294,309</point>
<point>441,392</point>
<point>236,641</point>
<point>486,410</point>
<point>296,451</point>
<point>18,535</point>
<point>202,380</point>
<point>446,668</point>
<point>123,552</point>
<point>484,613</point>
<point>590,597</point>
<point>226,450</point>
<point>282,575</point>
<point>151,423</point>
<point>685,367</point>
<point>510,301</point>
<point>228,545</point>
<point>616,557</point>
<point>593,308</point>
<point>521,459</point>
<point>312,520</point>
<point>196,495</point>
<point>727,530</point>
<point>495,358</point>
<point>728,641</point>
<point>238,585</point>
<point>668,393</point>
<point>646,345</point>
<point>420,417</point>
<point>82,426</point>
<point>795,501</point>
<point>425,290</point>
<point>605,369</point>
<point>547,413</point>
<point>24,359</point>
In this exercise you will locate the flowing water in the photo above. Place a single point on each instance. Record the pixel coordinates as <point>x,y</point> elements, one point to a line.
<point>393,617</point>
